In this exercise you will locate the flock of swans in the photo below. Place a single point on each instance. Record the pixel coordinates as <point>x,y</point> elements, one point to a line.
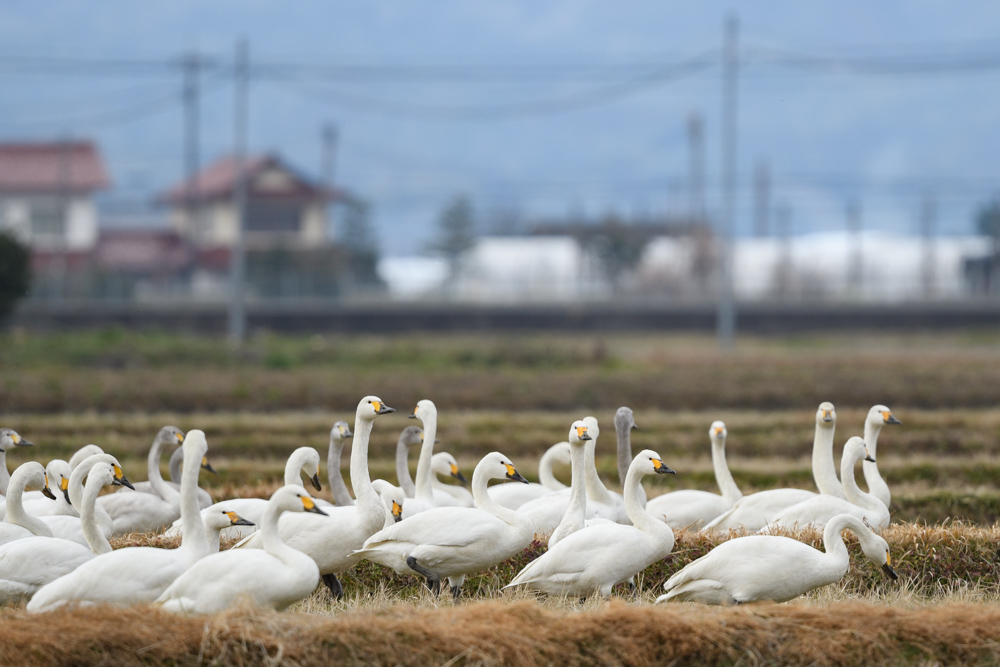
<point>55,548</point>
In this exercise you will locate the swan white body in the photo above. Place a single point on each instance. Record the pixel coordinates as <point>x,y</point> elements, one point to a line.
<point>28,564</point>
<point>138,574</point>
<point>454,542</point>
<point>594,559</point>
<point>276,575</point>
<point>690,508</point>
<point>753,512</point>
<point>817,511</point>
<point>176,461</point>
<point>513,496</point>
<point>138,512</point>
<point>877,417</point>
<point>332,540</point>
<point>772,567</point>
<point>304,460</point>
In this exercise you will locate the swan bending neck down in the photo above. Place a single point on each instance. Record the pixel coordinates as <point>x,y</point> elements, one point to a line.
<point>19,523</point>
<point>338,434</point>
<point>576,512</point>
<point>690,508</point>
<point>773,567</point>
<point>453,542</point>
<point>276,575</point>
<point>138,574</point>
<point>598,557</point>
<point>878,416</point>
<point>8,438</point>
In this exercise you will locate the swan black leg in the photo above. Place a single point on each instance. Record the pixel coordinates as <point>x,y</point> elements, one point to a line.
<point>632,588</point>
<point>433,580</point>
<point>332,583</point>
<point>456,592</point>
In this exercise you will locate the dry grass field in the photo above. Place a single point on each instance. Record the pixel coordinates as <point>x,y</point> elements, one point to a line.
<point>518,395</point>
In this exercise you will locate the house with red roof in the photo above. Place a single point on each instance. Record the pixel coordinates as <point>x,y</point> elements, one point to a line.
<point>47,194</point>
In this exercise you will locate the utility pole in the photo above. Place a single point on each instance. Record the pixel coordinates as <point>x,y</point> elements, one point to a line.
<point>330,137</point>
<point>762,200</point>
<point>696,168</point>
<point>783,274</point>
<point>856,262</point>
<point>237,261</point>
<point>725,325</point>
<point>192,202</point>
<point>928,228</point>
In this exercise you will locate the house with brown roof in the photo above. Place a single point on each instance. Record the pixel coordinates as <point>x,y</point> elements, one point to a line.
<point>283,207</point>
<point>47,193</point>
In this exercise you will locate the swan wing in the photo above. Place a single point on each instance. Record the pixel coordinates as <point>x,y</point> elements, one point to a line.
<point>35,561</point>
<point>443,526</point>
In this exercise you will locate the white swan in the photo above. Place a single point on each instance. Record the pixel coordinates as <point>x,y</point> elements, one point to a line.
<point>302,460</point>
<point>138,574</point>
<point>596,558</point>
<point>393,498</point>
<point>276,575</point>
<point>338,434</point>
<point>690,508</point>
<point>514,496</point>
<point>877,417</point>
<point>176,461</point>
<point>217,520</point>
<point>754,511</point>
<point>547,513</point>
<point>19,524</point>
<point>28,564</point>
<point>454,542</point>
<point>9,438</point>
<point>575,516</point>
<point>444,464</point>
<point>606,504</point>
<point>408,437</point>
<point>772,567</point>
<point>817,511</point>
<point>331,541</point>
<point>426,496</point>
<point>58,473</point>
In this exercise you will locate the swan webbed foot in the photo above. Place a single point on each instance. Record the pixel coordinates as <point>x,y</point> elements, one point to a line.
<point>333,584</point>
<point>456,592</point>
<point>433,580</point>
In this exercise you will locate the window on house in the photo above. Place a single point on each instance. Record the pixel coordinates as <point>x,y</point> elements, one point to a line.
<point>268,216</point>
<point>48,219</point>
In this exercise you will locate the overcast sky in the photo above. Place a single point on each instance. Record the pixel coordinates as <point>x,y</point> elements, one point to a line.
<point>583,127</point>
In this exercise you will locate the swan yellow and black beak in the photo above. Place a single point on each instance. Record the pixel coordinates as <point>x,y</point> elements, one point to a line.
<point>21,442</point>
<point>887,568</point>
<point>828,415</point>
<point>205,465</point>
<point>180,438</point>
<point>514,474</point>
<point>889,418</point>
<point>413,415</point>
<point>120,480</point>
<point>309,505</point>
<point>457,474</point>
<point>236,520</point>
<point>381,408</point>
<point>46,491</point>
<point>345,432</point>
<point>719,430</point>
<point>315,482</point>
<point>661,468</point>
<point>397,512</point>
<point>64,487</point>
<point>581,433</point>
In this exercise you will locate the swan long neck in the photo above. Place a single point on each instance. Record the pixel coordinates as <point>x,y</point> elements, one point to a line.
<point>4,473</point>
<point>341,495</point>
<point>161,488</point>
<point>194,540</point>
<point>15,505</point>
<point>424,489</point>
<point>836,556</point>
<point>876,485</point>
<point>369,503</point>
<point>633,495</point>
<point>824,469</point>
<point>545,475</point>
<point>723,477</point>
<point>88,518</point>
<point>852,491</point>
<point>293,468</point>
<point>484,501</point>
<point>575,517</point>
<point>596,490</point>
<point>176,462</point>
<point>624,434</point>
<point>271,535</point>
<point>403,468</point>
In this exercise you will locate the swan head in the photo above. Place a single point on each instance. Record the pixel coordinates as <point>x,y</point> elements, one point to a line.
<point>392,496</point>
<point>444,464</point>
<point>11,438</point>
<point>826,415</point>
<point>340,431</point>
<point>717,432</point>
<point>579,432</point>
<point>497,466</point>
<point>170,435</point>
<point>592,430</point>
<point>58,472</point>
<point>105,471</point>
<point>309,465</point>
<point>294,498</point>
<point>624,420</point>
<point>856,450</point>
<point>411,436</point>
<point>34,476</point>
<point>879,415</point>
<point>372,406</point>
<point>424,409</point>
<point>217,519</point>
<point>648,462</point>
<point>876,550</point>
